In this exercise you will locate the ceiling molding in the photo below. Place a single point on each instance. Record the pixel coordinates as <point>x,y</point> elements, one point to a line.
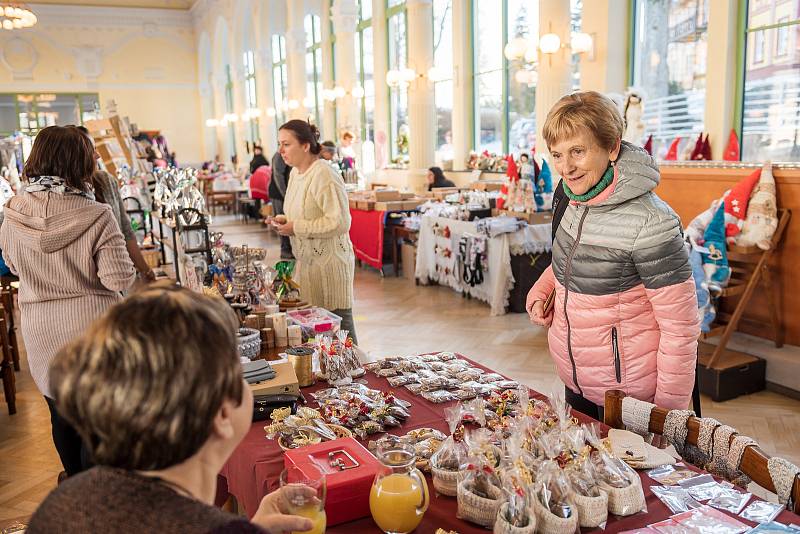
<point>82,16</point>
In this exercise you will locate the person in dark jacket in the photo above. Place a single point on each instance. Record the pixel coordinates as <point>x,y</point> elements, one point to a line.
<point>277,192</point>
<point>258,159</point>
<point>436,179</point>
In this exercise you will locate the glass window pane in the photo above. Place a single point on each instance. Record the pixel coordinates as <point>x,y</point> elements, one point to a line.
<point>276,48</point>
<point>393,3</point>
<point>398,100</point>
<point>670,68</point>
<point>488,35</point>
<point>397,41</point>
<point>771,119</point>
<point>366,9</point>
<point>443,36</point>
<point>523,22</point>
<point>488,118</point>
<point>443,96</point>
<point>90,107</point>
<point>317,29</point>
<point>576,9</point>
<point>307,26</point>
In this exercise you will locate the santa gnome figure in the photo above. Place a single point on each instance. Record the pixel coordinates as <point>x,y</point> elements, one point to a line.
<point>513,176</point>
<point>736,205</point>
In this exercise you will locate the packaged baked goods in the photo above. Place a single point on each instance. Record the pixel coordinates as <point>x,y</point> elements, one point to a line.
<point>479,491</point>
<point>439,396</point>
<point>516,515</point>
<point>448,460</point>
<point>553,504</point>
<point>670,475</point>
<point>616,478</point>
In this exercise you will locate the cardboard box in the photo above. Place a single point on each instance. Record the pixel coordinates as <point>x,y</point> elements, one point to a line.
<point>408,263</point>
<point>486,185</point>
<point>395,205</point>
<point>440,193</point>
<point>407,196</point>
<point>384,195</point>
<point>413,203</point>
<point>365,205</point>
<point>348,489</point>
<point>541,217</point>
<point>353,203</point>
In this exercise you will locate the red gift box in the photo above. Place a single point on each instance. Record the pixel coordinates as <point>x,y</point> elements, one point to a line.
<point>349,471</point>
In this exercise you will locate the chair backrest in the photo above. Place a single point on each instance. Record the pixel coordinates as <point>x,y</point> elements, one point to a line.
<point>754,460</point>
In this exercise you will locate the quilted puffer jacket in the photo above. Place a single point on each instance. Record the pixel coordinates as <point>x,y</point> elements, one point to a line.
<point>625,313</point>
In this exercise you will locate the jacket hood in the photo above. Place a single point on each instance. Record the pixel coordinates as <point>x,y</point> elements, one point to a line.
<point>636,174</point>
<point>52,233</point>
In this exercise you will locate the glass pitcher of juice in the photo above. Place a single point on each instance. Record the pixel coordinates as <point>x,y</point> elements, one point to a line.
<point>399,495</point>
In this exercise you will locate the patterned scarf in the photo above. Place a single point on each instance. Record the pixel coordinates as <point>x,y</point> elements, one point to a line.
<point>55,184</point>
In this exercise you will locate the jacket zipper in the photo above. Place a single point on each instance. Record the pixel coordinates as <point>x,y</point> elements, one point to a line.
<point>615,347</point>
<point>567,276</point>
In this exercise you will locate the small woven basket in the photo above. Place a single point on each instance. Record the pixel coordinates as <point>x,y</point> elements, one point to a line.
<point>477,509</point>
<point>592,511</point>
<point>501,526</point>
<point>340,431</point>
<point>625,501</point>
<point>445,482</point>
<point>249,343</point>
<point>549,523</point>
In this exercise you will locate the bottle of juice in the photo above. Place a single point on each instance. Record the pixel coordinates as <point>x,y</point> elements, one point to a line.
<point>399,495</point>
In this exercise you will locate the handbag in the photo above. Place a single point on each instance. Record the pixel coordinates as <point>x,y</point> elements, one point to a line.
<point>263,405</point>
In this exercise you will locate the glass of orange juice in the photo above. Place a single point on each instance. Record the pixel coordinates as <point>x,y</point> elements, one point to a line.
<point>399,495</point>
<point>306,498</point>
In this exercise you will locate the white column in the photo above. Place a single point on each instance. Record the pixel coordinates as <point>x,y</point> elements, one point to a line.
<point>463,99</point>
<point>326,76</point>
<point>296,58</point>
<point>380,51</point>
<point>554,69</point>
<point>421,105</point>
<point>720,73</point>
<point>218,80</point>
<point>605,69</point>
<point>345,20</point>
<point>239,107</point>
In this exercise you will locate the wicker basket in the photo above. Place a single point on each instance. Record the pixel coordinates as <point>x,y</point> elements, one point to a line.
<point>249,343</point>
<point>445,482</point>
<point>477,509</point>
<point>501,526</point>
<point>152,257</point>
<point>625,501</point>
<point>340,431</point>
<point>549,523</point>
<point>592,511</point>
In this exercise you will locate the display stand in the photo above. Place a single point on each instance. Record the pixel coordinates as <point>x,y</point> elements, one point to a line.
<point>146,216</point>
<point>183,229</point>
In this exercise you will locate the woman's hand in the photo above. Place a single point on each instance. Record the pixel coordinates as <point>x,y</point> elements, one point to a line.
<point>536,313</point>
<point>272,514</point>
<point>286,228</point>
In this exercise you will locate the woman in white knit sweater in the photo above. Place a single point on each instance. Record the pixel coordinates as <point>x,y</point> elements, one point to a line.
<point>318,221</point>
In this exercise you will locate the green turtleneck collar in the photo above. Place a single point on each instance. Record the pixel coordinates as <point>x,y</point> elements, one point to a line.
<point>598,188</point>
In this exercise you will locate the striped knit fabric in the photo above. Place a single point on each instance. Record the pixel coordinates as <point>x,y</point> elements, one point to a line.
<point>72,263</point>
<point>316,203</point>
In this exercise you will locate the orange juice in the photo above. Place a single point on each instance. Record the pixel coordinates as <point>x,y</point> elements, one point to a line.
<point>393,502</point>
<point>316,515</point>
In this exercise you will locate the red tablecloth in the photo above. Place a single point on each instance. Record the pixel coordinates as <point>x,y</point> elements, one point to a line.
<point>366,233</point>
<point>253,470</point>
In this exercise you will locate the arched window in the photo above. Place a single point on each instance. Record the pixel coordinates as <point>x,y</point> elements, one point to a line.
<point>398,95</point>
<point>280,79</point>
<point>365,66</point>
<point>250,98</point>
<point>313,30</point>
<point>443,83</point>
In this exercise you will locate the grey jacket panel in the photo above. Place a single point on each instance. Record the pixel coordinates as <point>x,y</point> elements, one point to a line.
<point>630,238</point>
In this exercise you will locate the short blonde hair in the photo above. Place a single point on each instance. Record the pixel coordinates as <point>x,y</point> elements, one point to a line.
<point>584,111</point>
<point>143,385</point>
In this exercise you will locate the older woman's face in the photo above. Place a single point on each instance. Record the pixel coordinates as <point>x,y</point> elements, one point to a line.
<point>581,161</point>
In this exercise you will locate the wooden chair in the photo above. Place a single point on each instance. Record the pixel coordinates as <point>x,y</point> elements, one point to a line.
<point>754,460</point>
<point>7,370</point>
<point>7,299</point>
<point>749,268</point>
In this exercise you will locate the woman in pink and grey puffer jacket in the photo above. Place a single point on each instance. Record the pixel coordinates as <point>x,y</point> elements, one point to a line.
<point>625,313</point>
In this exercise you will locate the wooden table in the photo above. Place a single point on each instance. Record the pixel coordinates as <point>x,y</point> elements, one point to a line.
<point>253,469</point>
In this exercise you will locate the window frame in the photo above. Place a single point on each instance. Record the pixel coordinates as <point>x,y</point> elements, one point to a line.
<point>280,68</point>
<point>314,50</point>
<point>251,100</point>
<point>78,95</point>
<point>390,13</point>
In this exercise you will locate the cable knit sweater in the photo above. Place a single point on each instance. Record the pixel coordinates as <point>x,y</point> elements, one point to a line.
<point>316,203</point>
<point>72,264</point>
